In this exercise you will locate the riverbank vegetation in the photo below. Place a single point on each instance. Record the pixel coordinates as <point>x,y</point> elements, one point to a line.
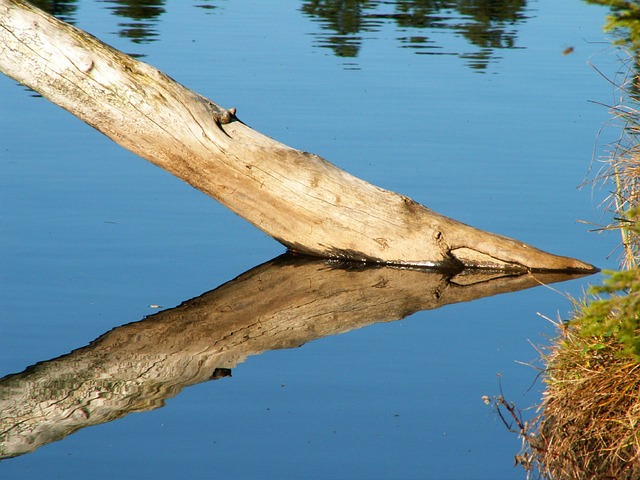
<point>589,421</point>
<point>588,425</point>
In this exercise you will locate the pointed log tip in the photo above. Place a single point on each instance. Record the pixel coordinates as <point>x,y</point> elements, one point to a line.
<point>572,266</point>
<point>526,260</point>
<point>548,262</point>
<point>497,252</point>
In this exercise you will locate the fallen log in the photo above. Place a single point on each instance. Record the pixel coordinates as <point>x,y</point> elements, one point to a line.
<point>301,200</point>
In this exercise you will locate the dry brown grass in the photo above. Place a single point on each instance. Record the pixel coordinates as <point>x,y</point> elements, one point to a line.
<point>621,169</point>
<point>589,425</point>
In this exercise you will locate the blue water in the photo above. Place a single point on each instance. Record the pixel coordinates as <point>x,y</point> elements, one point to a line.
<point>91,235</point>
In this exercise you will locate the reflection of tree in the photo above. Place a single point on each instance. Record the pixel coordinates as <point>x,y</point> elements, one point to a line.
<point>624,23</point>
<point>64,10</point>
<point>489,28</point>
<point>487,24</point>
<point>624,20</point>
<point>347,18</point>
<point>144,14</point>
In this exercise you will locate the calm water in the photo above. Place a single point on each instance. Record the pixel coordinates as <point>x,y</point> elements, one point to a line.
<point>468,107</point>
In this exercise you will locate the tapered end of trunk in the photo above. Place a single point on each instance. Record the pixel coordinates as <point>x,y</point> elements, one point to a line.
<point>480,249</point>
<point>524,258</point>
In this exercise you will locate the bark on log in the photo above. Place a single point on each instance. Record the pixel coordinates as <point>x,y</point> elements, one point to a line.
<point>281,304</point>
<point>298,198</point>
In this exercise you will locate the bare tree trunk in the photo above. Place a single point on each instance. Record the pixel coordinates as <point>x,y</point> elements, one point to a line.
<point>298,198</point>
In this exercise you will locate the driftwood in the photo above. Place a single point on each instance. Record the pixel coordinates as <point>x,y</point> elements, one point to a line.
<point>281,304</point>
<point>298,198</point>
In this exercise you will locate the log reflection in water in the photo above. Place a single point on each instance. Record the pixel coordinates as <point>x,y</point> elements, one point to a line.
<point>281,304</point>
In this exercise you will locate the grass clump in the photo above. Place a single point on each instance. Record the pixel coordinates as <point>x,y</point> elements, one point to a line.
<point>589,423</point>
<point>613,321</point>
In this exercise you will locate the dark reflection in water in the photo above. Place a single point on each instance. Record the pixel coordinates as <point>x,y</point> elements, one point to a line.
<point>624,23</point>
<point>486,24</point>
<point>347,19</point>
<point>64,10</point>
<point>206,5</point>
<point>283,303</point>
<point>144,15</point>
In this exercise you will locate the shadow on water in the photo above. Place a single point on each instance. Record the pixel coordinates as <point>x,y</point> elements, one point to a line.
<point>347,24</point>
<point>283,303</point>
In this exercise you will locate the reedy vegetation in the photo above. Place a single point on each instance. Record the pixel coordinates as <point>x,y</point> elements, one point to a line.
<point>588,424</point>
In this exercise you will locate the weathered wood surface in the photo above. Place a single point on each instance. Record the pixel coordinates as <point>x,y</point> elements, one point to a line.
<point>281,304</point>
<point>298,198</point>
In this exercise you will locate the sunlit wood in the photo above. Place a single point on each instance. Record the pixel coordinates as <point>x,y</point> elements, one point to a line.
<point>298,198</point>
